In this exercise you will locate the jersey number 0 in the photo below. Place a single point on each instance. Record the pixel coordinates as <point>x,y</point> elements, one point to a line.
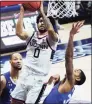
<point>36,52</point>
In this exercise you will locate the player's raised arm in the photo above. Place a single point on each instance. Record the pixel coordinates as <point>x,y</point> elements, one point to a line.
<point>69,52</point>
<point>48,24</point>
<point>19,26</point>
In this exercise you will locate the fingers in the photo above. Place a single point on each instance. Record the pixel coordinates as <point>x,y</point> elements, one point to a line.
<point>76,27</point>
<point>41,2</point>
<point>79,24</point>
<point>73,25</point>
<point>50,80</point>
<point>21,8</point>
<point>41,6</point>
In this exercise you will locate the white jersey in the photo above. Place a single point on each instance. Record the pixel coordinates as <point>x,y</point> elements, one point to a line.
<point>39,53</point>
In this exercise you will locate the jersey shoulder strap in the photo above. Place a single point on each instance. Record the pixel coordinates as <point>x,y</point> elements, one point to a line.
<point>30,38</point>
<point>7,76</point>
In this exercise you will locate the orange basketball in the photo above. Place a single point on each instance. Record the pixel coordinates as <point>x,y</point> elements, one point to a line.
<point>32,5</point>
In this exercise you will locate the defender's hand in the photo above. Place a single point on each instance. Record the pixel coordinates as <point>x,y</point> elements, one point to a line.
<point>76,27</point>
<point>54,79</point>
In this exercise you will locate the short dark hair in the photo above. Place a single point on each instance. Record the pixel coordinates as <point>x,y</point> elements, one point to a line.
<point>13,54</point>
<point>82,78</point>
<point>52,20</point>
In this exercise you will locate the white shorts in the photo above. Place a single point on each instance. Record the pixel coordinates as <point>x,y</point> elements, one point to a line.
<point>28,86</point>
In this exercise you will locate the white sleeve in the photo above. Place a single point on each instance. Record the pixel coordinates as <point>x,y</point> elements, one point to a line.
<point>52,44</point>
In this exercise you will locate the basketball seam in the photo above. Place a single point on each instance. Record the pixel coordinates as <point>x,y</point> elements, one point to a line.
<point>27,5</point>
<point>33,7</point>
<point>39,4</point>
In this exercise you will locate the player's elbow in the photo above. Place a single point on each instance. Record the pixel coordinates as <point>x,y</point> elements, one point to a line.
<point>18,33</point>
<point>21,36</point>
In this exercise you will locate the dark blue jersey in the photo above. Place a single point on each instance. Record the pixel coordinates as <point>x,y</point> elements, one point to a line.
<point>10,85</point>
<point>55,97</point>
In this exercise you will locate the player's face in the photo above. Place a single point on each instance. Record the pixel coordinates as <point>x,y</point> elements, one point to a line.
<point>16,61</point>
<point>41,25</point>
<point>77,73</point>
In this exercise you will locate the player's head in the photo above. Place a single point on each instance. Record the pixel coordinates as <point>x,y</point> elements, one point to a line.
<point>16,61</point>
<point>41,24</point>
<point>79,77</point>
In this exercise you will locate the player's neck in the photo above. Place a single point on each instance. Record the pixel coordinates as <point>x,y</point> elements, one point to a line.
<point>42,34</point>
<point>14,73</point>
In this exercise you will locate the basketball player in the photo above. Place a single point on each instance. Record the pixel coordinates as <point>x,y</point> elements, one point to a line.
<point>8,79</point>
<point>37,64</point>
<point>62,92</point>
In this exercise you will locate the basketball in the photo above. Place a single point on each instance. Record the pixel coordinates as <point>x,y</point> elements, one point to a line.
<point>32,5</point>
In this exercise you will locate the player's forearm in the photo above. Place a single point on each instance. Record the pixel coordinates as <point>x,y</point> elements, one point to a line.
<point>19,28</point>
<point>19,25</point>
<point>49,26</point>
<point>2,86</point>
<point>46,20</point>
<point>69,50</point>
<point>69,57</point>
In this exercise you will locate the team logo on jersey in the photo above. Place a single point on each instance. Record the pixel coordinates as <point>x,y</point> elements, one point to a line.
<point>42,45</point>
